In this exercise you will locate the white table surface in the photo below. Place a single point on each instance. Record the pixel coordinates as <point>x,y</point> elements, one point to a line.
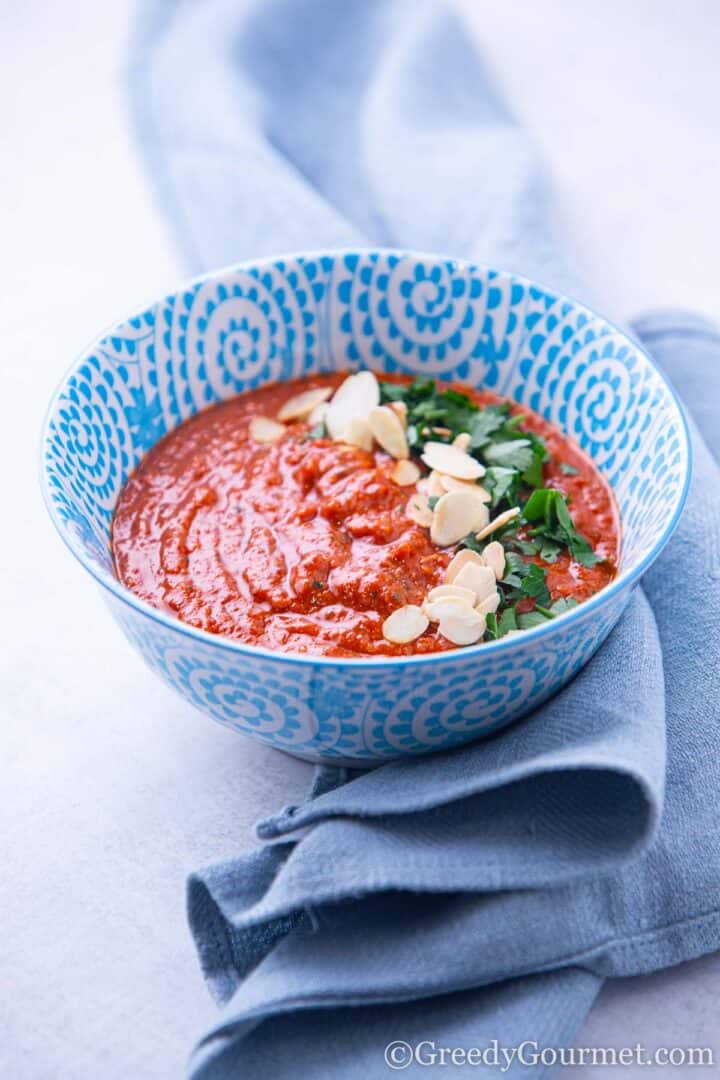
<point>113,789</point>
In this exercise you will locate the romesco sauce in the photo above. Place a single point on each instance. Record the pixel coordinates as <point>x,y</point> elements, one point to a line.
<point>303,545</point>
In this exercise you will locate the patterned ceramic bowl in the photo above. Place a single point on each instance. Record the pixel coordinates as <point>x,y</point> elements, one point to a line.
<point>391,311</point>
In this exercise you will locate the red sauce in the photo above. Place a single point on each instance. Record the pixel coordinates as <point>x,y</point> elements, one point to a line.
<point>304,545</point>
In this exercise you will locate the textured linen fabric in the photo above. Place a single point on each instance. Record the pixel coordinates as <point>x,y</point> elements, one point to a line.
<point>483,893</point>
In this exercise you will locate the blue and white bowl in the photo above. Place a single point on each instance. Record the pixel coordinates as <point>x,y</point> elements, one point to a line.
<point>280,318</point>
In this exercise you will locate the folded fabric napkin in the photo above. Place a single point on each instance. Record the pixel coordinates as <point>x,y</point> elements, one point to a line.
<point>483,893</point>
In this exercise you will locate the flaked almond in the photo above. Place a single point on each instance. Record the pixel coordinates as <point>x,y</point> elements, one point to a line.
<point>357,432</point>
<point>388,431</point>
<point>418,510</point>
<point>462,626</point>
<point>448,459</point>
<point>462,441</point>
<point>264,430</point>
<point>317,416</point>
<point>444,432</point>
<point>489,605</point>
<point>437,610</point>
<point>459,560</point>
<point>481,510</point>
<point>480,579</point>
<point>352,400</point>
<point>451,483</point>
<point>434,486</point>
<point>405,624</point>
<point>400,410</point>
<point>300,406</point>
<point>405,473</point>
<point>498,522</point>
<point>455,515</point>
<point>442,592</point>
<point>494,556</point>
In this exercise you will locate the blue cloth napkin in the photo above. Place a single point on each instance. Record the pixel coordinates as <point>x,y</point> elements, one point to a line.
<point>485,893</point>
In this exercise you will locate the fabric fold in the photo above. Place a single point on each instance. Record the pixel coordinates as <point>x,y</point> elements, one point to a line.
<point>381,945</point>
<point>271,129</point>
<point>490,890</point>
<point>394,946</point>
<point>540,1010</point>
<point>370,905</point>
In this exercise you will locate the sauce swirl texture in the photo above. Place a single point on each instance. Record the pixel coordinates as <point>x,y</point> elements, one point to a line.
<point>303,545</point>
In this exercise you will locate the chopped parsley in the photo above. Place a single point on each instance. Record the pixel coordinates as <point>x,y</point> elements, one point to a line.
<point>507,621</point>
<point>514,462</point>
<point>524,580</point>
<point>546,509</point>
<point>513,458</point>
<point>502,484</point>
<point>516,454</point>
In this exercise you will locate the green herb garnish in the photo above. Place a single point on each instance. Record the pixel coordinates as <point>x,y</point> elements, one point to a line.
<point>486,423</point>
<point>516,454</point>
<point>547,510</point>
<point>514,462</point>
<point>502,483</point>
<point>541,614</point>
<point>524,580</point>
<point>507,622</point>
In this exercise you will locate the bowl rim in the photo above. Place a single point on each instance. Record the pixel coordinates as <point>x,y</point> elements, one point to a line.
<point>622,583</point>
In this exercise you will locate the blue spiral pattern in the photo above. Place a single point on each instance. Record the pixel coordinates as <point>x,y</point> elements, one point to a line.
<point>391,311</point>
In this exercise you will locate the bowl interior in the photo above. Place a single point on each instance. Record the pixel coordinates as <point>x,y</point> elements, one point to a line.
<point>239,328</point>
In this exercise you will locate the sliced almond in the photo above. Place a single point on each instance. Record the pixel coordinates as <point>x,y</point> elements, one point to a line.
<point>455,515</point>
<point>400,410</point>
<point>480,579</point>
<point>489,605</point>
<point>264,430</point>
<point>482,514</point>
<point>357,432</point>
<point>444,432</point>
<point>404,625</point>
<point>450,483</point>
<point>418,510</point>
<point>494,556</point>
<point>405,473</point>
<point>434,486</point>
<point>471,492</point>
<point>388,431</point>
<point>437,610</point>
<point>448,459</point>
<point>498,522</point>
<point>442,592</point>
<point>317,416</point>
<point>300,406</point>
<point>458,561</point>
<point>353,399</point>
<point>462,441</point>
<point>462,626</point>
